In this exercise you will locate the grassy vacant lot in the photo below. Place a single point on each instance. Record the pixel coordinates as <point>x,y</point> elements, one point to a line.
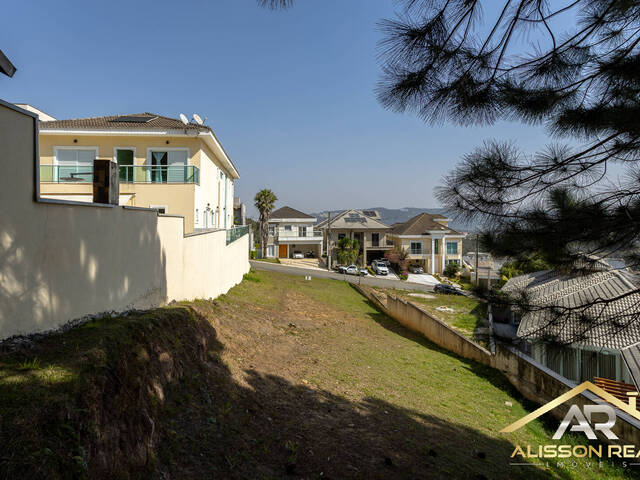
<point>280,377</point>
<point>468,313</point>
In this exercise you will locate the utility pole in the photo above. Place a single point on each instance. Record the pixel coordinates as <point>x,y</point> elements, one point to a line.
<point>477,252</point>
<point>329,242</point>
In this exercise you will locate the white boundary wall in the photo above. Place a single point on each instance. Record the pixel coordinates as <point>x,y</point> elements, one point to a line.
<point>61,261</point>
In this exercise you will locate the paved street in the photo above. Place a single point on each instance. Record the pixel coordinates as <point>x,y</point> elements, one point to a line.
<point>368,280</point>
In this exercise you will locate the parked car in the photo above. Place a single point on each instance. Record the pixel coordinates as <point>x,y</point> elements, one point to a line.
<point>298,254</point>
<point>380,268</point>
<point>384,262</point>
<point>447,289</point>
<point>310,254</point>
<point>353,270</point>
<point>416,269</point>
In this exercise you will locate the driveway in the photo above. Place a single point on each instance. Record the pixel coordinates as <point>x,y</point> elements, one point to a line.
<point>312,263</point>
<point>391,276</point>
<point>423,278</point>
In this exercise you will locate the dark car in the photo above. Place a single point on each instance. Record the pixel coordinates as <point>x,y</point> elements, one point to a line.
<point>447,289</point>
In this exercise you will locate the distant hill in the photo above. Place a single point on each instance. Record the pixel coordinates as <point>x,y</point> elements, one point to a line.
<point>397,215</point>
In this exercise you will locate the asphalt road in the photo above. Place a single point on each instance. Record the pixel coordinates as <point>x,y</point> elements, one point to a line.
<point>368,280</point>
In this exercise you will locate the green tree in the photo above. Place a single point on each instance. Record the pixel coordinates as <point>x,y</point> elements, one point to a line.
<point>348,251</point>
<point>264,201</point>
<point>452,269</point>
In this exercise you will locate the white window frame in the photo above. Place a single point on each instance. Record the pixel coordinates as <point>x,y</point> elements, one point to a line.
<point>167,149</point>
<point>411,248</point>
<point>272,249</point>
<point>115,153</point>
<point>457,252</point>
<point>57,148</point>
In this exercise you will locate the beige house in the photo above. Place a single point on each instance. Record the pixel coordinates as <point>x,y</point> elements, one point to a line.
<point>430,242</point>
<point>175,167</point>
<point>292,232</point>
<point>362,225</point>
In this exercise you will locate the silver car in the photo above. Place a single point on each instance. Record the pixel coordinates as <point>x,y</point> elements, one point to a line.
<point>380,268</point>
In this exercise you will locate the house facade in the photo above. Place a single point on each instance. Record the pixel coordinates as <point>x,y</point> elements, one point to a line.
<point>582,340</point>
<point>429,241</point>
<point>176,168</point>
<point>292,231</point>
<point>362,225</point>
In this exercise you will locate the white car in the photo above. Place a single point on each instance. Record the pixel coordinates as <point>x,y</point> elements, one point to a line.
<point>354,270</point>
<point>380,268</point>
<point>298,254</point>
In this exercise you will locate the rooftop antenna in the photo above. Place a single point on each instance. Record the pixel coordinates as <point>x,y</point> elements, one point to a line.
<point>184,119</point>
<point>197,118</point>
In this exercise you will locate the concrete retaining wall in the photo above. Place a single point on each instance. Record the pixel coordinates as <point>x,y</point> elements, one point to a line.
<point>60,262</point>
<point>534,381</point>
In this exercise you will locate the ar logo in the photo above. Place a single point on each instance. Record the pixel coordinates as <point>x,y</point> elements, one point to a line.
<point>584,422</point>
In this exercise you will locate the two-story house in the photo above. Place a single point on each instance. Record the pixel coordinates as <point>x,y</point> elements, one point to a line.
<point>292,231</point>
<point>362,225</point>
<point>164,163</point>
<point>430,242</point>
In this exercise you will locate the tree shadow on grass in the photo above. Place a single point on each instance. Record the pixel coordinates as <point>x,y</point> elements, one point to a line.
<point>148,396</point>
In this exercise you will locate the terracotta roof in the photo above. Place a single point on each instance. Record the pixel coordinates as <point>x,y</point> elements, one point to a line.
<point>354,220</point>
<point>610,326</point>
<point>288,212</point>
<point>124,122</point>
<point>421,224</point>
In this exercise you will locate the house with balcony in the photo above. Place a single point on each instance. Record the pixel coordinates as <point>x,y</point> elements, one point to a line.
<point>292,231</point>
<point>177,168</point>
<point>429,241</point>
<point>362,225</point>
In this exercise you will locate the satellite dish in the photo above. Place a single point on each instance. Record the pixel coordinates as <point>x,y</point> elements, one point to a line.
<point>184,119</point>
<point>197,118</point>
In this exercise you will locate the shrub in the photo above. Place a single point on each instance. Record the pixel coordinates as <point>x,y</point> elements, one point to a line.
<point>452,269</point>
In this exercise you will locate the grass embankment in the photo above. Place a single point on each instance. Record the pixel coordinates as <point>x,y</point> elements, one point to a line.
<point>280,376</point>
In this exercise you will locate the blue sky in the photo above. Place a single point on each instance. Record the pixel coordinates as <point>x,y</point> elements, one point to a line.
<point>290,94</point>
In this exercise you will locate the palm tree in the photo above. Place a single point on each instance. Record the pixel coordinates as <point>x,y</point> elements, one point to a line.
<point>348,250</point>
<point>264,201</point>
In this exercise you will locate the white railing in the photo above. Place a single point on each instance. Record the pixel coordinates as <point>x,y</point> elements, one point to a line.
<point>299,233</point>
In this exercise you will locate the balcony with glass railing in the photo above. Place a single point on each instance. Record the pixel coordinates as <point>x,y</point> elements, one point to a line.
<point>127,173</point>
<point>303,234</point>
<point>235,233</point>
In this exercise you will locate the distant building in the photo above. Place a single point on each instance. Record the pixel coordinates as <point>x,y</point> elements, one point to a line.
<point>165,164</point>
<point>292,233</point>
<point>431,243</point>
<point>362,225</point>
<point>239,212</point>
